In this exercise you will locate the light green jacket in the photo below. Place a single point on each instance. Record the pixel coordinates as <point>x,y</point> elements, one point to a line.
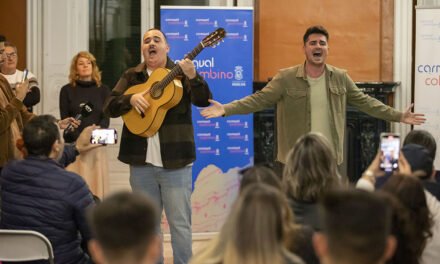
<point>290,92</point>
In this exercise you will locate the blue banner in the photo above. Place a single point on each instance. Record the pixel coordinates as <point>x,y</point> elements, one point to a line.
<point>223,145</point>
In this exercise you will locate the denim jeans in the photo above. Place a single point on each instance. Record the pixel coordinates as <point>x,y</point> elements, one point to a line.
<point>170,190</point>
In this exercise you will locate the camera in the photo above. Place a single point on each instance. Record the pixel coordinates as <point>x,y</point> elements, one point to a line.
<point>390,148</point>
<point>104,136</point>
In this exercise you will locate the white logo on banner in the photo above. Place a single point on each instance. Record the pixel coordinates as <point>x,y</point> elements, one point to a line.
<point>245,38</point>
<point>245,24</point>
<point>238,73</point>
<point>185,24</point>
<point>185,38</point>
<point>215,23</point>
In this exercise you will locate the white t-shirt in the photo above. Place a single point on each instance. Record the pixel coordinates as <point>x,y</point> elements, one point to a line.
<point>17,77</point>
<point>153,149</point>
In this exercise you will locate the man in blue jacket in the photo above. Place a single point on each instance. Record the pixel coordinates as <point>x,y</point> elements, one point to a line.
<point>39,194</point>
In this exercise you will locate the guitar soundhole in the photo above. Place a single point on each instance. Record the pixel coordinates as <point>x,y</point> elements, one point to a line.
<point>156,91</point>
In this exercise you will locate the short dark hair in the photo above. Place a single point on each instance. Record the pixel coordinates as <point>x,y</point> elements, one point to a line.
<point>39,134</point>
<point>423,138</point>
<point>357,225</point>
<point>259,174</point>
<point>124,224</point>
<point>410,192</point>
<point>2,38</point>
<point>315,30</point>
<point>163,33</point>
<point>420,160</point>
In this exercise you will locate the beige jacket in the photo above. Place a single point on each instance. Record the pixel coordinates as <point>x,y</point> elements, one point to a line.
<point>290,92</point>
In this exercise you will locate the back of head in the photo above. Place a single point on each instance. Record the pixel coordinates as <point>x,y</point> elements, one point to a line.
<point>39,134</point>
<point>409,191</point>
<point>124,226</point>
<point>357,225</point>
<point>259,174</point>
<point>255,230</point>
<point>423,138</point>
<point>315,30</point>
<point>420,160</point>
<point>409,246</point>
<point>310,169</point>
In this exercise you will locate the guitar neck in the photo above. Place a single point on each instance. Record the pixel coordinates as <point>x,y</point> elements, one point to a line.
<point>177,70</point>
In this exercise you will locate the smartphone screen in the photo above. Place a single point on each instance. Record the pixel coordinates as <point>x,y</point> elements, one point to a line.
<point>104,136</point>
<point>390,148</point>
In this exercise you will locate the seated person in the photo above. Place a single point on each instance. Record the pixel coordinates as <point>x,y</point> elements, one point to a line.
<point>14,76</point>
<point>124,230</point>
<point>37,193</point>
<point>422,166</point>
<point>255,232</point>
<point>300,236</point>
<point>356,228</point>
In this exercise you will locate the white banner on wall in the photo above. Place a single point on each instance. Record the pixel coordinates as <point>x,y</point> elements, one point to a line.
<point>427,71</point>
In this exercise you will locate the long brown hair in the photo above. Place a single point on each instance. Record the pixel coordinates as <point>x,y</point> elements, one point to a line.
<point>410,192</point>
<point>73,75</point>
<point>310,169</point>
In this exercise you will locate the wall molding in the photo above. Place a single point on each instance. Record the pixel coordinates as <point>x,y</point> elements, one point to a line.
<point>403,13</point>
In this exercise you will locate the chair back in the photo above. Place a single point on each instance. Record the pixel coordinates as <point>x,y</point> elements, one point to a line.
<point>24,245</point>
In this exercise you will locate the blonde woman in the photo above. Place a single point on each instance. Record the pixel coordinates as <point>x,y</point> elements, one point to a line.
<point>255,232</point>
<point>310,171</point>
<point>85,86</point>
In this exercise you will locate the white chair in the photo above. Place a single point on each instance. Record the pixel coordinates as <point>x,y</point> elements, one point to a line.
<point>24,245</point>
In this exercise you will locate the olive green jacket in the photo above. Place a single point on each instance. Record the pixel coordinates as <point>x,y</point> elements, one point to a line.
<point>290,92</point>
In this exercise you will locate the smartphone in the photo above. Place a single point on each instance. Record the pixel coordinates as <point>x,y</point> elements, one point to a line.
<point>104,136</point>
<point>25,74</point>
<point>390,148</point>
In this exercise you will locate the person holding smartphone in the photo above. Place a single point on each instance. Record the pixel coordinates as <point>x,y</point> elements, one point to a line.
<point>14,76</point>
<point>86,89</point>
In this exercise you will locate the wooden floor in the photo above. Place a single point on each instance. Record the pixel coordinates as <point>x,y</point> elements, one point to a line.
<point>168,252</point>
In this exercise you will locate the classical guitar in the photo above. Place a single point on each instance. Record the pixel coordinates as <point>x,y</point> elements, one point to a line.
<point>163,91</point>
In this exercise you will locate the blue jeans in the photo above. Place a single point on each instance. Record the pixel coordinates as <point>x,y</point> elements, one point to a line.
<point>171,190</point>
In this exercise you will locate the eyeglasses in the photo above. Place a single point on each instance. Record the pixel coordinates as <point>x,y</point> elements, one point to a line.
<point>11,55</point>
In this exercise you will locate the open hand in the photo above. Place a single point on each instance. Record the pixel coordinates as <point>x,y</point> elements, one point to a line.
<point>411,118</point>
<point>215,110</point>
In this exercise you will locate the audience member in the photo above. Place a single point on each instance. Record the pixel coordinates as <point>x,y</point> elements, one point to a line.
<point>425,139</point>
<point>409,191</point>
<point>310,171</point>
<point>14,76</point>
<point>431,254</point>
<point>259,174</point>
<point>255,232</point>
<point>356,229</point>
<point>38,194</point>
<point>300,236</point>
<point>408,249</point>
<point>422,165</point>
<point>124,230</point>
